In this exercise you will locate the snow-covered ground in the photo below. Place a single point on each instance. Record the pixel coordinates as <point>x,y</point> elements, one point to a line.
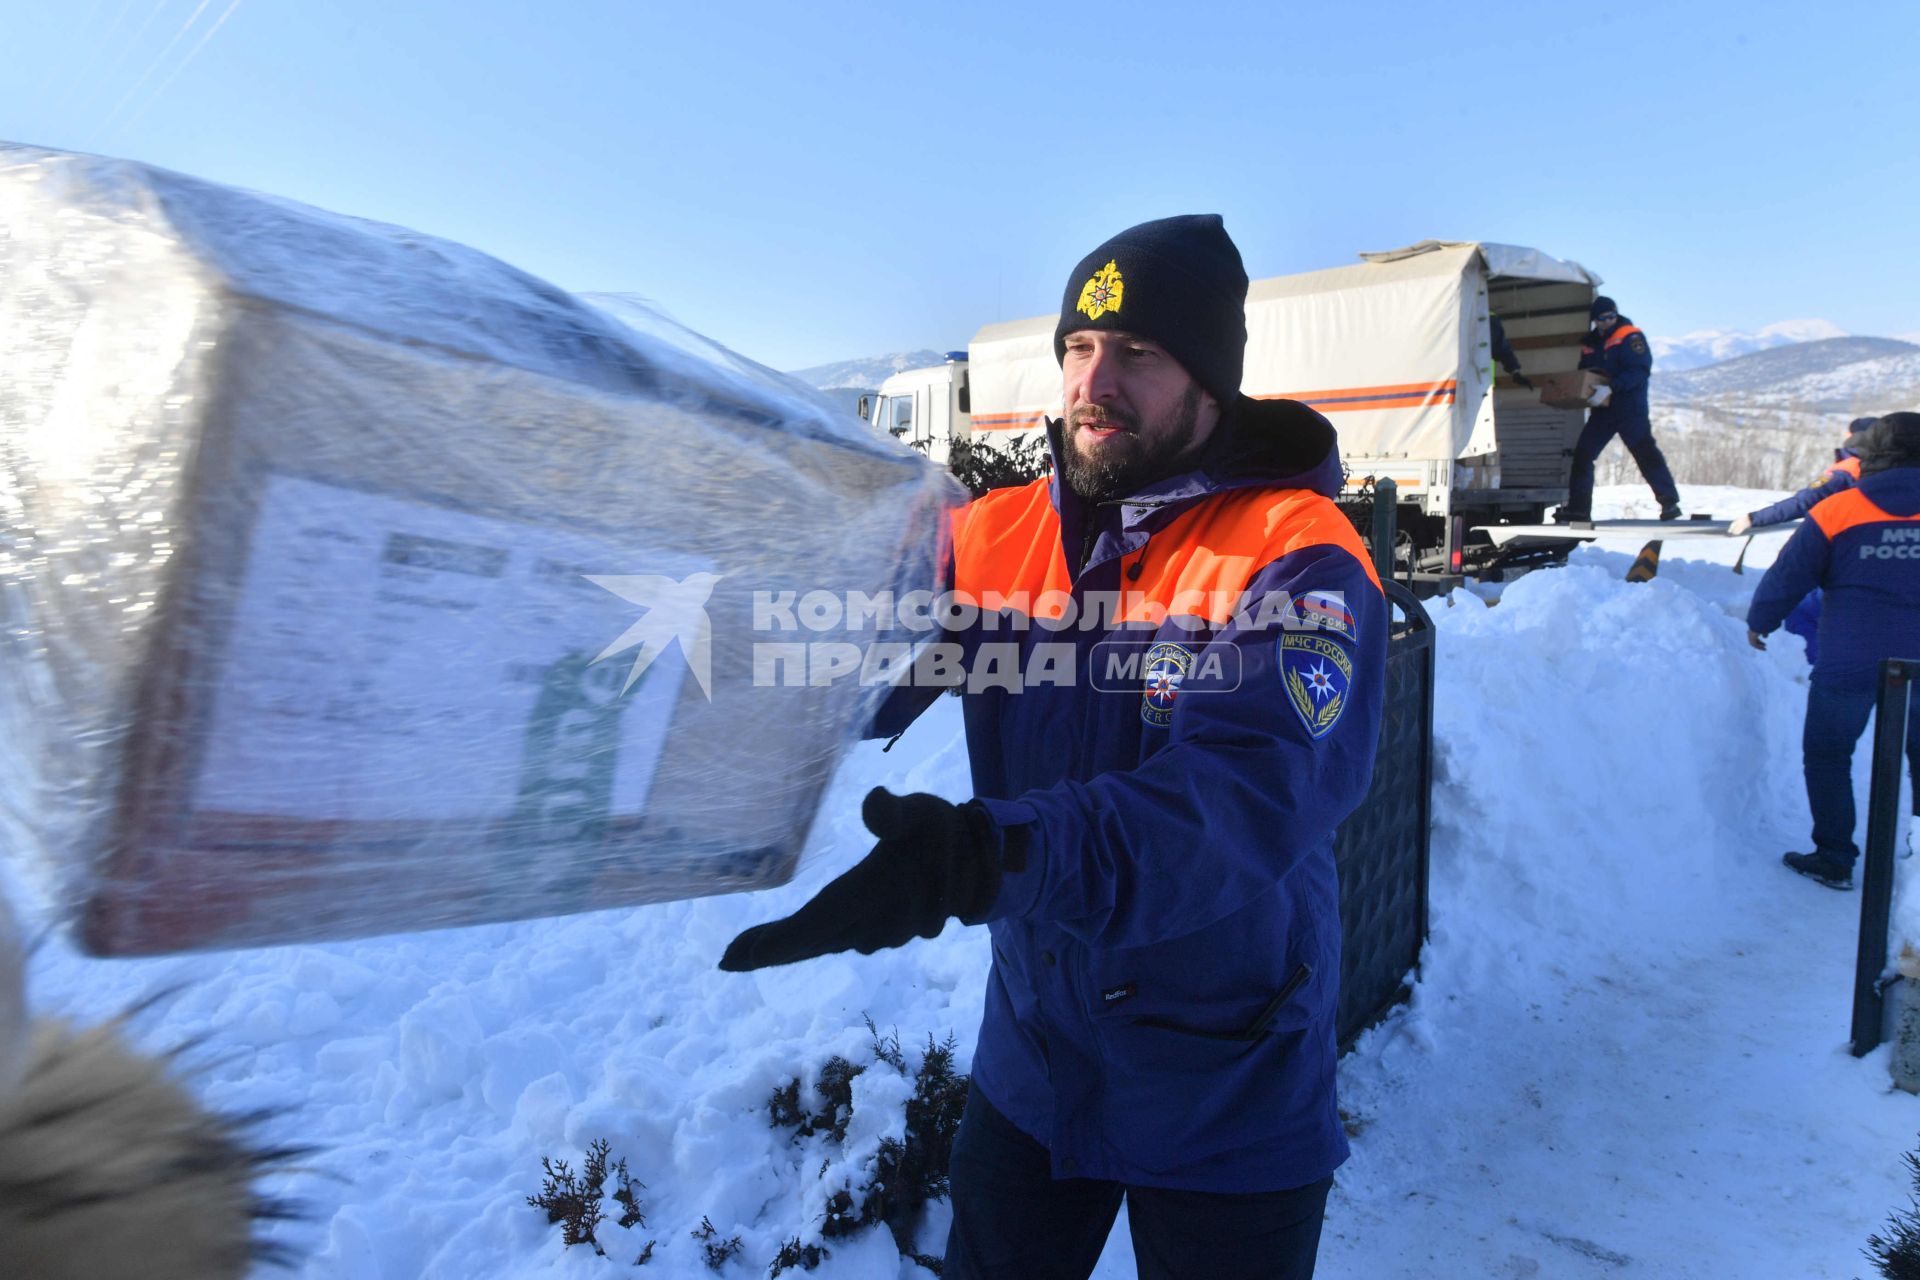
<point>1625,1055</point>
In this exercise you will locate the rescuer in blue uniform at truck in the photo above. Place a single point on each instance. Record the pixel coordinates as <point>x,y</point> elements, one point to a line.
<point>1153,854</point>
<point>1842,475</point>
<point>1616,347</point>
<point>1861,547</point>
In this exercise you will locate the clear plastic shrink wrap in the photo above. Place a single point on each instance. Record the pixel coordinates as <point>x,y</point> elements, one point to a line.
<point>315,535</point>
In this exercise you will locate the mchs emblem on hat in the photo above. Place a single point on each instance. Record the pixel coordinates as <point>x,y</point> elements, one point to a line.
<point>1102,291</point>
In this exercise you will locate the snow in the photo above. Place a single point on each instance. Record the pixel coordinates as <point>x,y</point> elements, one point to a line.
<point>1625,1054</point>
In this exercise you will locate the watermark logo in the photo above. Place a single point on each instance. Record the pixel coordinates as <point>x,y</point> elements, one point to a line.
<point>1127,645</point>
<point>676,609</point>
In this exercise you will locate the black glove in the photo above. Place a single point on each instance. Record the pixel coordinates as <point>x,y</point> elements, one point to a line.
<point>935,859</point>
<point>1523,380</point>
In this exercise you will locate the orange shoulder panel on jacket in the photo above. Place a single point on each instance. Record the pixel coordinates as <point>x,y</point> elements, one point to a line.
<point>1847,509</point>
<point>1849,465</point>
<point>1008,541</point>
<point>1621,334</point>
<point>1201,564</point>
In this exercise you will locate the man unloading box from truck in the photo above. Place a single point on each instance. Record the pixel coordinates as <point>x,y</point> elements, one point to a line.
<point>1617,347</point>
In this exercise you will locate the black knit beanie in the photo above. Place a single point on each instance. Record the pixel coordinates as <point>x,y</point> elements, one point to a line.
<point>1892,442</point>
<point>1601,305</point>
<point>1176,281</point>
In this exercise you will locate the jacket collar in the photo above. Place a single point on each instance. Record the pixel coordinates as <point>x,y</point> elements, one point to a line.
<point>1271,444</point>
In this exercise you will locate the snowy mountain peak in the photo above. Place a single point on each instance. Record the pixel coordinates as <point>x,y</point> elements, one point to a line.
<point>1710,346</point>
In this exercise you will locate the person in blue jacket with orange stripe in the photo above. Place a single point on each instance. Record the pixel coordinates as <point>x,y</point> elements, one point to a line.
<point>1617,347</point>
<point>1843,474</point>
<point>1861,547</point>
<point>1202,641</point>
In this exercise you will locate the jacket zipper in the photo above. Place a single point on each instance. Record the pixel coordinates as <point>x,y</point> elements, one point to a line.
<point>1255,1029</point>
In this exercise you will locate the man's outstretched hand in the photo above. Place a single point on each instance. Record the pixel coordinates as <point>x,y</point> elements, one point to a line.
<point>934,859</point>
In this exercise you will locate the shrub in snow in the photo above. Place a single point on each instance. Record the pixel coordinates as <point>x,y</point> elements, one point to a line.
<point>574,1201</point>
<point>1897,1254</point>
<point>981,466</point>
<point>905,1168</point>
<point>794,1254</point>
<point>717,1251</point>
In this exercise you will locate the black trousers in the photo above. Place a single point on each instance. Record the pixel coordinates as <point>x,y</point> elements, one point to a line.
<point>1013,1220</point>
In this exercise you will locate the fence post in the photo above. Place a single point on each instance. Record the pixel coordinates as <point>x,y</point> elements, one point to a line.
<point>1883,818</point>
<point>1386,494</point>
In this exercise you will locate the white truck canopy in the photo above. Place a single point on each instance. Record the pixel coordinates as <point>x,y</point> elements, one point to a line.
<point>1393,348</point>
<point>1016,380</point>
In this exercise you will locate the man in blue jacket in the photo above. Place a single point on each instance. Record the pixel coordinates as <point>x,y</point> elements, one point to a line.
<point>1843,474</point>
<point>1861,547</point>
<point>1151,844</point>
<point>1617,347</point>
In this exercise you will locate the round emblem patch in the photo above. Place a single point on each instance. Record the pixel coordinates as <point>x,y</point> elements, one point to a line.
<point>1167,666</point>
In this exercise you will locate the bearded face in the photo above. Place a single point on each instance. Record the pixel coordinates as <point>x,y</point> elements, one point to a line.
<point>1110,453</point>
<point>1134,415</point>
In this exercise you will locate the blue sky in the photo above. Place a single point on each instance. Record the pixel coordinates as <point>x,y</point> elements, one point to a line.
<point>809,183</point>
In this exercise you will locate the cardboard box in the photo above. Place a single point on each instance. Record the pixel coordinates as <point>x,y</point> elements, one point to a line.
<point>1568,390</point>
<point>324,542</point>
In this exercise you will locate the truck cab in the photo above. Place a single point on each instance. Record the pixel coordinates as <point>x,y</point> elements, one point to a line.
<point>926,408</point>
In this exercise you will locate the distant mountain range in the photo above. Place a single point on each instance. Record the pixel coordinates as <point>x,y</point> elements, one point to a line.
<point>1770,418</point>
<point>1831,375</point>
<point>1711,346</point>
<point>868,373</point>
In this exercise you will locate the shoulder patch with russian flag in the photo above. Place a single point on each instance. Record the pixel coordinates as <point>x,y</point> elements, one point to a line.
<point>1327,611</point>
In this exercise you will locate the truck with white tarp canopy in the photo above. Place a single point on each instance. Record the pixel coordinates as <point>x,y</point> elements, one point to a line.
<point>1395,349</point>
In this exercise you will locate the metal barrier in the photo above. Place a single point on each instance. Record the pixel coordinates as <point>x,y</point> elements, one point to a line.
<point>1386,514</point>
<point>1883,818</point>
<point>1382,847</point>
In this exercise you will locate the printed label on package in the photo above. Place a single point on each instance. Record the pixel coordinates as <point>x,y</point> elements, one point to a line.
<point>391,661</point>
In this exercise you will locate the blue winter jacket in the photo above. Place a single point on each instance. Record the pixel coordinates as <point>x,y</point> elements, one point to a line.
<point>1166,940</point>
<point>1862,548</point>
<point>1841,476</point>
<point>1624,356</point>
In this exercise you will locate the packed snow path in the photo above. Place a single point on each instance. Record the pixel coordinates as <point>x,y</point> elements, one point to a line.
<point>1625,1057</point>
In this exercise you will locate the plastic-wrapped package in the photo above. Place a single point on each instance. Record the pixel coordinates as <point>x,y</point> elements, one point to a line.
<point>354,582</point>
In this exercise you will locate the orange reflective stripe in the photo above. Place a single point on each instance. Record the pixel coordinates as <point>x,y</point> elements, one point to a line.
<point>1391,388</point>
<point>1198,566</point>
<point>1620,335</point>
<point>1008,421</point>
<point>1849,465</point>
<point>1849,510</point>
<point>1399,395</point>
